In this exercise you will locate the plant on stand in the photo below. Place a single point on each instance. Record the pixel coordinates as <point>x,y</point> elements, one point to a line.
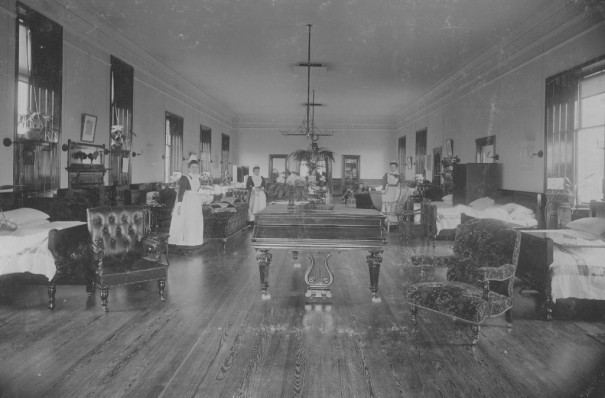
<point>561,203</point>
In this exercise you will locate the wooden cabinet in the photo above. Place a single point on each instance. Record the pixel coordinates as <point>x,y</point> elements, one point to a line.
<point>475,180</point>
<point>86,170</point>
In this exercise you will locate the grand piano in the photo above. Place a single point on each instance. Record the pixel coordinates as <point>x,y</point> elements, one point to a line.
<point>318,228</point>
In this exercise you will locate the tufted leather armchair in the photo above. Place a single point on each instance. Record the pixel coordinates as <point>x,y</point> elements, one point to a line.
<point>480,275</point>
<point>122,254</point>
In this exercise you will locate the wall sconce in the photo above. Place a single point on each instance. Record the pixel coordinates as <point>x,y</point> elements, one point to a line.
<point>7,142</point>
<point>538,154</point>
<point>135,154</point>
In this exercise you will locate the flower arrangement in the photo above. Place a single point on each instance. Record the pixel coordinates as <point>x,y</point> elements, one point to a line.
<point>117,138</point>
<point>205,178</point>
<point>174,178</point>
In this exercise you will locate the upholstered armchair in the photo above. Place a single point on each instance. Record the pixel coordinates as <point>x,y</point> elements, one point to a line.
<point>122,254</point>
<point>480,275</point>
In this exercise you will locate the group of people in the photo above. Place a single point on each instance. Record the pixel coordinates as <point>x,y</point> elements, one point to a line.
<point>187,223</point>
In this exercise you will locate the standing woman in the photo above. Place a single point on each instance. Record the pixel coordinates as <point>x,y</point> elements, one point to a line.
<point>255,184</point>
<point>187,225</point>
<point>391,188</point>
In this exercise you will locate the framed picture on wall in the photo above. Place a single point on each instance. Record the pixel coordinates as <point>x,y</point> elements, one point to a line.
<point>89,125</point>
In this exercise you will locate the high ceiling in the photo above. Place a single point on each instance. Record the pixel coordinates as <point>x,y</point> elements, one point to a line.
<point>381,54</point>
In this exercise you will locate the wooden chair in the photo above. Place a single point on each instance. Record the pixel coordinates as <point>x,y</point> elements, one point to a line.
<point>123,255</point>
<point>480,275</point>
<point>419,221</point>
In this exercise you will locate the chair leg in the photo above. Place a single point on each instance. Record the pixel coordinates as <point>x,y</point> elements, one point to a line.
<point>508,315</point>
<point>414,311</point>
<point>52,289</point>
<point>475,329</point>
<point>162,288</point>
<point>104,296</point>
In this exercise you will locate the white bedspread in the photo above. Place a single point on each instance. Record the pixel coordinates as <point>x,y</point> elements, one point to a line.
<point>578,267</point>
<point>26,249</point>
<point>448,216</point>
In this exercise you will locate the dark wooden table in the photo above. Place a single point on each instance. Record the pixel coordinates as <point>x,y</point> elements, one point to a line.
<point>318,229</point>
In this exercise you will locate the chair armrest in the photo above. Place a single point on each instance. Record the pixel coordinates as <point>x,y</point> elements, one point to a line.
<point>500,273</point>
<point>97,252</point>
<point>437,261</point>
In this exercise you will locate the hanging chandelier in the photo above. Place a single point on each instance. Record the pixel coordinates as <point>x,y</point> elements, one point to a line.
<point>307,127</point>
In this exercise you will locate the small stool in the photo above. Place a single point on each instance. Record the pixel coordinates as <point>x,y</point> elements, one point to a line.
<point>158,242</point>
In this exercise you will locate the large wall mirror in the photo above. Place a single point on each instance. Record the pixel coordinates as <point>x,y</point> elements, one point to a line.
<point>278,164</point>
<point>486,149</point>
<point>350,168</point>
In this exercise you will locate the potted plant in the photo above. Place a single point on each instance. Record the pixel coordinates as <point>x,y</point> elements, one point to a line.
<point>560,203</point>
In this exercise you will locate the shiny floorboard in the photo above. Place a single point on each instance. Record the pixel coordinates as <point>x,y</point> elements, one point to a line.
<point>215,337</point>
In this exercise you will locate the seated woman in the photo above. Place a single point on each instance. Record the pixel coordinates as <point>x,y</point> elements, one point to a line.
<point>187,225</point>
<point>258,200</point>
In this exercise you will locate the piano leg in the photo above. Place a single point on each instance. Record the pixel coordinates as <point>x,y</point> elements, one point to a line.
<point>52,289</point>
<point>374,260</point>
<point>264,260</point>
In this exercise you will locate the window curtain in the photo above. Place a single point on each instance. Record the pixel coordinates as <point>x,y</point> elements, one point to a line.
<point>561,105</point>
<point>176,147</point>
<point>205,148</point>
<point>401,151</point>
<point>225,156</point>
<point>420,151</point>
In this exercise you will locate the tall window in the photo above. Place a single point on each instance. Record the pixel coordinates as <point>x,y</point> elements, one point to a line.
<point>120,121</point>
<point>401,153</point>
<point>205,148</point>
<point>224,155</point>
<point>420,151</point>
<point>575,131</point>
<point>39,72</point>
<point>173,155</point>
<point>120,107</point>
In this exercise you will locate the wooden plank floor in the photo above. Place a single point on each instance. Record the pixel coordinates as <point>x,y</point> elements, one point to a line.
<point>214,337</point>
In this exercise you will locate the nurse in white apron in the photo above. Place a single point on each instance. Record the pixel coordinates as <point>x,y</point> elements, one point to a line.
<point>187,225</point>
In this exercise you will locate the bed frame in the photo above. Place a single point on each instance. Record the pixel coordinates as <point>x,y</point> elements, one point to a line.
<point>71,250</point>
<point>531,200</point>
<point>535,257</point>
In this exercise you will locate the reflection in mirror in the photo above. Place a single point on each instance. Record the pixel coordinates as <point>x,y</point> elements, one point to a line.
<point>350,168</point>
<point>277,166</point>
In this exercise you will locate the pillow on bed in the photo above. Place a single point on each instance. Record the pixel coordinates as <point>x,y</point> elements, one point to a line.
<point>518,212</point>
<point>481,203</point>
<point>25,215</point>
<point>592,225</point>
<point>448,198</point>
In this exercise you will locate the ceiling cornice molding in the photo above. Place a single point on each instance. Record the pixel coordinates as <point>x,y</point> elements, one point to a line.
<point>87,26</point>
<point>345,123</point>
<point>526,42</point>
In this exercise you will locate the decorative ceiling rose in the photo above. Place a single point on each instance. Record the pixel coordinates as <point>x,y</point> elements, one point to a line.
<point>307,127</point>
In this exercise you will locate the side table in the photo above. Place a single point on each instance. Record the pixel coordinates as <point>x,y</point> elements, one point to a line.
<point>157,243</point>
